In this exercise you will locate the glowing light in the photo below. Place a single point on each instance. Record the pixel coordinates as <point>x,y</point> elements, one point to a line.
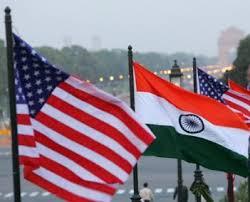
<point>155,73</point>
<point>120,76</point>
<point>88,81</point>
<point>101,79</point>
<point>189,76</point>
<point>111,78</point>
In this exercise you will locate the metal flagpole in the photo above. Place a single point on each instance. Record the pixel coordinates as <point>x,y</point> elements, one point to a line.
<point>136,197</point>
<point>197,173</point>
<point>230,188</point>
<point>12,101</point>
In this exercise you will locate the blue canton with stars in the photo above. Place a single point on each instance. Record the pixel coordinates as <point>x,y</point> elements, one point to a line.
<point>210,86</point>
<point>35,78</point>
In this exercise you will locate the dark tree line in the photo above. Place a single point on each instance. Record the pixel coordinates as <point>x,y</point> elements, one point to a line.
<point>91,65</point>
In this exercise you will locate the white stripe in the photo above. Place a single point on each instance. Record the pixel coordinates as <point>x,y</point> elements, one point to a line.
<point>244,96</point>
<point>25,130</point>
<point>156,110</point>
<point>22,109</point>
<point>81,150</point>
<point>102,115</point>
<point>91,89</point>
<point>236,101</point>
<point>28,151</point>
<point>66,162</point>
<point>72,187</point>
<point>89,132</point>
<point>238,112</point>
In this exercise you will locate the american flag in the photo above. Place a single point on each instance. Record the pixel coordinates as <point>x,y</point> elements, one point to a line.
<point>75,140</point>
<point>237,102</point>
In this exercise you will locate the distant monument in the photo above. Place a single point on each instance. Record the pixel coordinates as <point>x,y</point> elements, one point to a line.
<point>228,41</point>
<point>96,43</point>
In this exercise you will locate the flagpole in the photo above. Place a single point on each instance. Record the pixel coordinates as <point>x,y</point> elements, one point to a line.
<point>197,173</point>
<point>230,177</point>
<point>136,197</point>
<point>12,101</point>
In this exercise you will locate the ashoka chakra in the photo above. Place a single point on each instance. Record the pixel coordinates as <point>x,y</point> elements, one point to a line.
<point>191,123</point>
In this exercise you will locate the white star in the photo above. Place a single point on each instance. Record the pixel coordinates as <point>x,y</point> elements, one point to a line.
<point>47,71</point>
<point>33,52</point>
<point>36,73</point>
<point>49,88</point>
<point>25,67</point>
<point>32,112</point>
<point>17,97</point>
<point>43,59</point>
<point>23,97</point>
<point>22,44</point>
<point>24,59</point>
<point>58,78</point>
<point>28,85</point>
<point>39,91</point>
<point>29,94</point>
<point>47,79</point>
<point>19,89</point>
<point>23,52</point>
<point>41,100</point>
<point>16,81</point>
<point>31,103</point>
<point>26,76</point>
<point>35,65</point>
<point>38,82</point>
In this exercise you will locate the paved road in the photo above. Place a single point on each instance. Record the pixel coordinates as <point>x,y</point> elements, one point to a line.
<point>160,173</point>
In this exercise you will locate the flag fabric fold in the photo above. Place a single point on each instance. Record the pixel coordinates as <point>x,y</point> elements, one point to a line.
<point>75,140</point>
<point>233,96</point>
<point>188,126</point>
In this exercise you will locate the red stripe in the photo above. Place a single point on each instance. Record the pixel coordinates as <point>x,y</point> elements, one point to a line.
<point>80,160</point>
<point>84,140</point>
<point>23,119</point>
<point>111,109</point>
<point>61,193</point>
<point>29,161</point>
<point>237,107</point>
<point>72,177</point>
<point>26,140</point>
<point>185,100</point>
<point>237,97</point>
<point>95,123</point>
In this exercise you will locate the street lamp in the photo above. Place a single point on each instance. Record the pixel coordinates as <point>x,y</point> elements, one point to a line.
<point>175,77</point>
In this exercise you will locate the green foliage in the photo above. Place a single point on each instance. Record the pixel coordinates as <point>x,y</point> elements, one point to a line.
<point>89,65</point>
<point>238,74</point>
<point>241,195</point>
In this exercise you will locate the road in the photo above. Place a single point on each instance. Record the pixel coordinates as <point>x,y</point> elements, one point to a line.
<point>158,172</point>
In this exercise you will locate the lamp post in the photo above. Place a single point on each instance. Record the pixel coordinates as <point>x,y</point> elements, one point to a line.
<point>175,77</point>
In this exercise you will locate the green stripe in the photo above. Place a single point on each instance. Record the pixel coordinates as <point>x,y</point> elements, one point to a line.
<point>170,144</point>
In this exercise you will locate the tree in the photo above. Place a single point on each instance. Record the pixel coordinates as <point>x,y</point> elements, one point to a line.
<point>238,74</point>
<point>241,194</point>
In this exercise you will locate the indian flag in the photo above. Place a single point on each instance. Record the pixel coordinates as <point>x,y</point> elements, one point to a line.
<point>191,127</point>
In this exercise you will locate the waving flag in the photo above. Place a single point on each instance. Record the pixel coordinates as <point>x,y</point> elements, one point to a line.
<point>234,86</point>
<point>189,126</point>
<point>74,140</point>
<point>238,102</point>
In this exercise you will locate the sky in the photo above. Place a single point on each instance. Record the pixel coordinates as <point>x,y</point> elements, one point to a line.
<point>165,26</point>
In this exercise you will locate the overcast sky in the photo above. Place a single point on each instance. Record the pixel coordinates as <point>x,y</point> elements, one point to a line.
<point>149,25</point>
